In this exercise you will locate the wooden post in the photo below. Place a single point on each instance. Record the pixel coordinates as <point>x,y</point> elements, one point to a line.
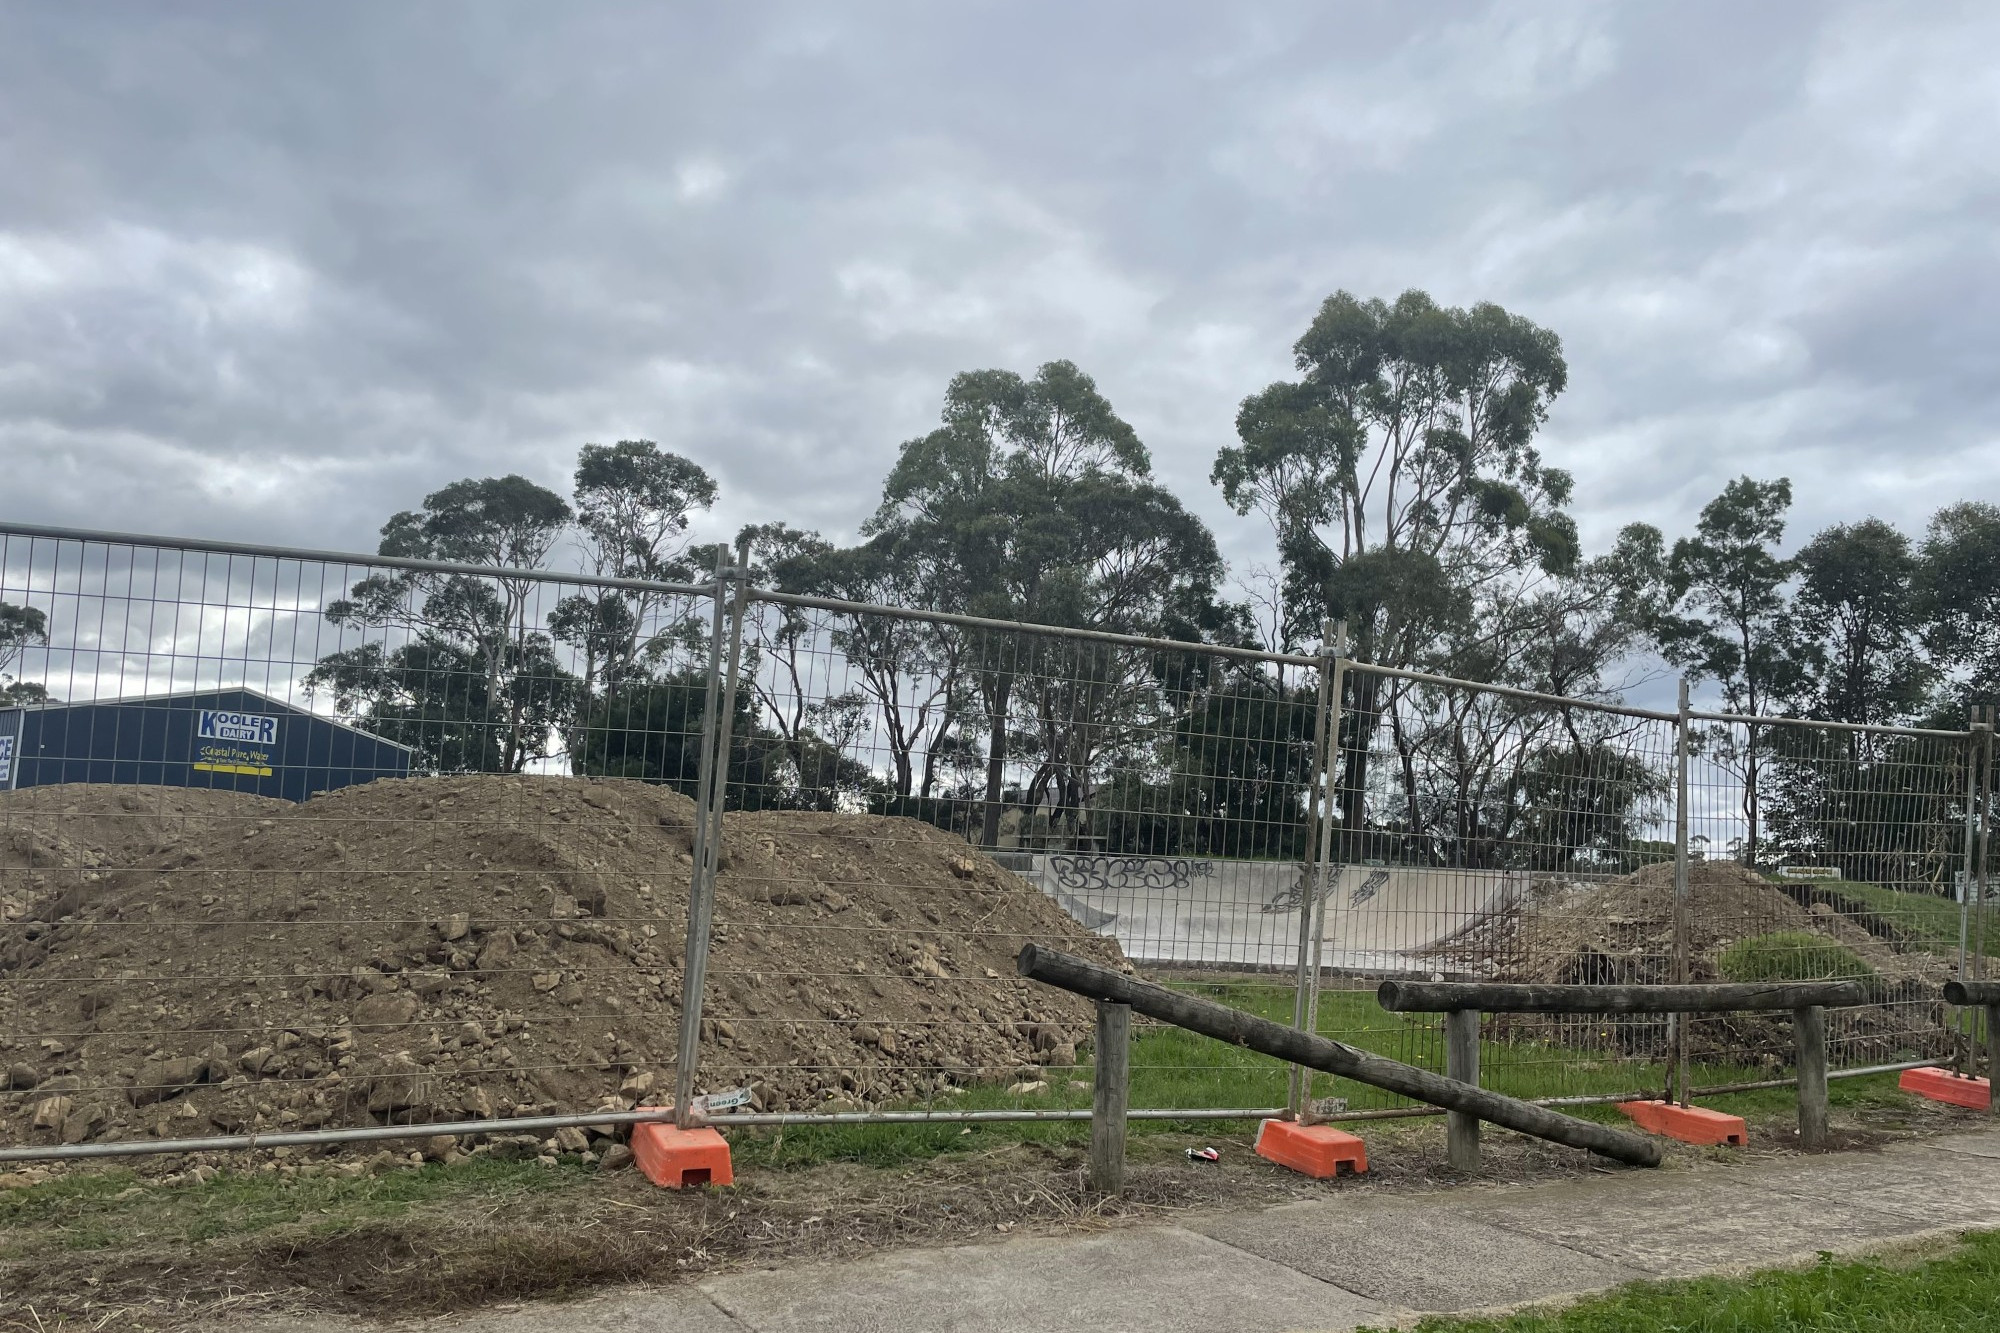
<point>1110,1096</point>
<point>1992,1057</point>
<point>1461,1061</point>
<point>1809,1031</point>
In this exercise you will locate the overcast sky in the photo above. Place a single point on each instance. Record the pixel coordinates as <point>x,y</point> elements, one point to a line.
<point>274,271</point>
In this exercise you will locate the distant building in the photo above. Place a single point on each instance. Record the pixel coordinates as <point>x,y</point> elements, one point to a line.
<point>231,740</point>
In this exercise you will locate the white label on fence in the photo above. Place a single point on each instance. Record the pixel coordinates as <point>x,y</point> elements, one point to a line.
<point>6,762</point>
<point>1808,872</point>
<point>721,1101</point>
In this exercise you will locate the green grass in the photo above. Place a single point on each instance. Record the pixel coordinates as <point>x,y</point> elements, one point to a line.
<point>1959,1290</point>
<point>1928,920</point>
<point>97,1210</point>
<point>1173,1067</point>
<point>1790,955</point>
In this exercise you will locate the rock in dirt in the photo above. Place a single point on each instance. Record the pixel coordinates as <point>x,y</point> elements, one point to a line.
<point>159,1080</point>
<point>386,1010</point>
<point>345,907</point>
<point>51,1112</point>
<point>616,1158</point>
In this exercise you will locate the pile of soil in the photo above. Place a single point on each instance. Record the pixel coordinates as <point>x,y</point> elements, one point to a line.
<point>177,962</point>
<point>1621,931</point>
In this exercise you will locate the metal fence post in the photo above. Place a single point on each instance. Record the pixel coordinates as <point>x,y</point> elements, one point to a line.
<point>1678,1071</point>
<point>1321,878</point>
<point>710,780</point>
<point>1972,890</point>
<point>1299,1089</point>
<point>1977,880</point>
<point>1110,1097</point>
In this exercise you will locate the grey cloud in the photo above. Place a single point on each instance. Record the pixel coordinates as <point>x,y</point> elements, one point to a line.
<point>277,272</point>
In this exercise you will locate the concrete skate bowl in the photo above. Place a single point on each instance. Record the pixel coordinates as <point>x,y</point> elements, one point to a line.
<point>1245,914</point>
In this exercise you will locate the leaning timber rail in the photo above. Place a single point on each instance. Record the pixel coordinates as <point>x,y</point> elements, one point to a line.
<point>1080,977</point>
<point>1463,1001</point>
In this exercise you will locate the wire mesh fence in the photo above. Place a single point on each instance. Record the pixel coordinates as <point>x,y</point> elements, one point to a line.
<point>1826,852</point>
<point>281,850</point>
<point>1504,836</point>
<point>980,788</point>
<point>293,841</point>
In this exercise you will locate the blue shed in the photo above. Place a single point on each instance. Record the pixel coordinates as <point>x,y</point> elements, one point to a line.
<point>233,740</point>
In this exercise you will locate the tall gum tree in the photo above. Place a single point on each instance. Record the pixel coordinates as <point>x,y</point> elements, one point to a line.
<point>1401,482</point>
<point>1033,500</point>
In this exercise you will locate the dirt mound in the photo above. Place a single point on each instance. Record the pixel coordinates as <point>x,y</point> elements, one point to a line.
<point>181,961</point>
<point>1622,931</point>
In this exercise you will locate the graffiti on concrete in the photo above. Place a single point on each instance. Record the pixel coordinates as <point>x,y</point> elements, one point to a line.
<point>1290,898</point>
<point>1368,888</point>
<point>1128,872</point>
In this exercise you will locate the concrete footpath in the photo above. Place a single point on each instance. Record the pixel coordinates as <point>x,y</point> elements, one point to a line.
<point>1336,1263</point>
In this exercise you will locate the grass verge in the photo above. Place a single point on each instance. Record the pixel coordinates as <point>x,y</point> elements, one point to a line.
<point>1958,1290</point>
<point>101,1209</point>
<point>1927,921</point>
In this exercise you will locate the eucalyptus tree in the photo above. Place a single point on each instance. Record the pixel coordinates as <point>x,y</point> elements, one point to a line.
<point>1402,485</point>
<point>1034,500</point>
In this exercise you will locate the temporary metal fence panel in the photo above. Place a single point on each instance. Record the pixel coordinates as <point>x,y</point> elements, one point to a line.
<point>913,798</point>
<point>228,911</point>
<point>1500,834</point>
<point>1820,852</point>
<point>302,842</point>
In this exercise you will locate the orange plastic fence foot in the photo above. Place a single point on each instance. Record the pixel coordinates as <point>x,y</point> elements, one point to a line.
<point>1319,1151</point>
<point>1689,1124</point>
<point>1945,1085</point>
<point>676,1158</point>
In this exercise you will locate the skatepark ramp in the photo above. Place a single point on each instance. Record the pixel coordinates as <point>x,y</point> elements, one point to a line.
<point>1216,912</point>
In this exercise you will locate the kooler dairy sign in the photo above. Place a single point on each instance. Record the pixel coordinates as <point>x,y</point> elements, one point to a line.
<point>226,742</point>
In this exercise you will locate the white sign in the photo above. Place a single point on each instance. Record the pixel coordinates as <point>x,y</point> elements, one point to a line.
<point>6,762</point>
<point>721,1101</point>
<point>249,728</point>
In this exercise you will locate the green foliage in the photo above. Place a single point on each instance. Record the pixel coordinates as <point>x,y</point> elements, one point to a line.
<point>1958,584</point>
<point>474,687</point>
<point>1446,402</point>
<point>20,627</point>
<point>1928,921</point>
<point>439,697</point>
<point>1722,612</point>
<point>632,505</point>
<point>1033,500</point>
<point>1959,1290</point>
<point>1791,955</point>
<point>1856,617</point>
<point>1877,806</point>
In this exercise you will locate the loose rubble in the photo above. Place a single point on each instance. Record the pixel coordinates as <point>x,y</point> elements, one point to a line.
<point>186,962</point>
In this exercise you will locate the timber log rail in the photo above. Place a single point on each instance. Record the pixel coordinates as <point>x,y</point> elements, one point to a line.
<point>1112,990</point>
<point>1461,1002</point>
